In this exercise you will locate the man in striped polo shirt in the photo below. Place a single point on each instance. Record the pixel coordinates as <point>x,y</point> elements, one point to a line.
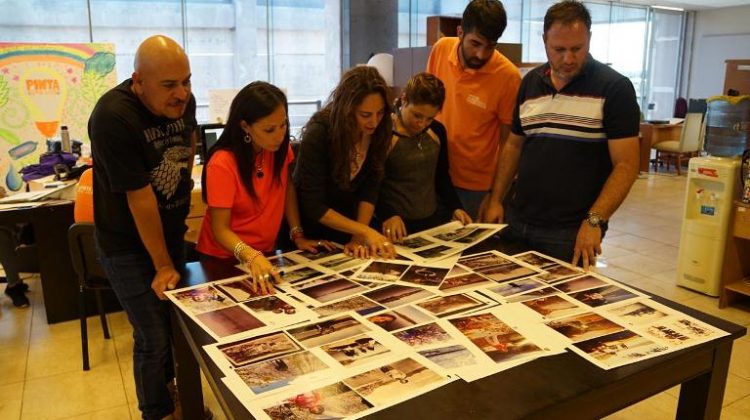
<point>573,145</point>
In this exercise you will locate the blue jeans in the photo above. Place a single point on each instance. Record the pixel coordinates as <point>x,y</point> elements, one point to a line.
<point>471,200</point>
<point>153,367</point>
<point>556,242</point>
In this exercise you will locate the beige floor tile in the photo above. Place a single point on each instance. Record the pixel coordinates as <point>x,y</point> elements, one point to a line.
<point>41,331</point>
<point>642,264</point>
<point>737,389</point>
<point>613,251</point>
<point>115,413</point>
<point>659,407</point>
<point>633,243</point>
<point>739,410</point>
<point>11,397</point>
<point>54,356</point>
<point>740,362</point>
<point>51,396</point>
<point>618,273</point>
<point>666,253</point>
<point>12,365</point>
<point>135,413</point>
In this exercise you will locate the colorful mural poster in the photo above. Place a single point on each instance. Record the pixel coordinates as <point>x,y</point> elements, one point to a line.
<point>43,87</point>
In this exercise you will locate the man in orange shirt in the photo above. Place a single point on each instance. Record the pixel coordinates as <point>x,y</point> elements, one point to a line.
<point>480,92</point>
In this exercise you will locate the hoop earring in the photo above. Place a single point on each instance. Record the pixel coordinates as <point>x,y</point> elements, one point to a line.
<point>248,139</point>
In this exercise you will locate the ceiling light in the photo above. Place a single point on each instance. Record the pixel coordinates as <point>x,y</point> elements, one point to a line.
<point>676,9</point>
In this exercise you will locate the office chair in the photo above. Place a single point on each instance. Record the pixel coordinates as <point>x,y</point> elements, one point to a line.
<point>91,276</point>
<point>689,145</point>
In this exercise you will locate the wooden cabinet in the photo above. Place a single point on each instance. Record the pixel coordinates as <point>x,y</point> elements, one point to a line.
<point>737,76</point>
<point>440,26</point>
<point>736,270</point>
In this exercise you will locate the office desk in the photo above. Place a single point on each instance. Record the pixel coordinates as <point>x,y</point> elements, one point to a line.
<point>655,133</point>
<point>564,386</point>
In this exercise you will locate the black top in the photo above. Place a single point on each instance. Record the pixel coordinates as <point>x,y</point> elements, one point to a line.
<point>132,148</point>
<point>318,191</point>
<point>565,159</point>
<point>416,177</point>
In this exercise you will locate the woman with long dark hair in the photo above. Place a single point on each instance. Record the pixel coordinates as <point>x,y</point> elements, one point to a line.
<point>417,192</point>
<point>245,184</point>
<point>340,164</point>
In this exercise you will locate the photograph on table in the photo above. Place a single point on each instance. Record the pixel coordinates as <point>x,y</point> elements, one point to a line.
<point>553,306</point>
<point>341,262</point>
<point>441,306</point>
<point>558,272</point>
<point>277,373</point>
<point>382,271</point>
<point>506,272</point>
<point>328,331</point>
<point>436,252</point>
<point>355,351</point>
<point>577,284</point>
<point>483,260</point>
<point>457,270</point>
<point>239,290</point>
<point>396,319</point>
<point>394,382</point>
<point>256,349</point>
<point>358,304</point>
<point>584,326</point>
<point>536,259</point>
<point>463,283</point>
<point>336,401</point>
<point>281,262</point>
<point>424,336</point>
<point>415,242</point>
<point>533,294</point>
<point>496,339</point>
<point>424,276</point>
<point>605,295</point>
<point>396,295</point>
<point>305,256</point>
<point>314,281</point>
<point>199,299</point>
<point>618,349</point>
<point>455,234</point>
<point>475,236</point>
<point>638,313</point>
<point>279,310</point>
<point>681,331</point>
<point>300,275</point>
<point>224,322</point>
<point>515,287</point>
<point>332,290</point>
<point>450,357</point>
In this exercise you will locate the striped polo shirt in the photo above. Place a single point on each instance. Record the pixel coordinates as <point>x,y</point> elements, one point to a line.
<point>565,159</point>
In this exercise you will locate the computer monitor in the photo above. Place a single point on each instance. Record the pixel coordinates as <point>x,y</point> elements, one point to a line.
<point>209,136</point>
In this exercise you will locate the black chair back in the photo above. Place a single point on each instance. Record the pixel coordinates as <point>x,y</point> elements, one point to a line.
<point>84,256</point>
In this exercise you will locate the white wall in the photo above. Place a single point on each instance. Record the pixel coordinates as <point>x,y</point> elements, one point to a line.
<point>720,34</point>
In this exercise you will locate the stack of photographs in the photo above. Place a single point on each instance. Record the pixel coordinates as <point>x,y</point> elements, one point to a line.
<point>444,241</point>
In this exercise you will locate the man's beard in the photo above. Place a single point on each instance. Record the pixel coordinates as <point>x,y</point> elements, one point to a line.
<point>473,62</point>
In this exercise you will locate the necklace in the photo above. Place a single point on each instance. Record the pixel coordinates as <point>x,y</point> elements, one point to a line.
<point>402,127</point>
<point>259,166</point>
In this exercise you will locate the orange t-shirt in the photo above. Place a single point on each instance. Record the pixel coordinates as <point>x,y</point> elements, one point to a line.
<point>255,222</point>
<point>477,103</point>
<point>83,209</point>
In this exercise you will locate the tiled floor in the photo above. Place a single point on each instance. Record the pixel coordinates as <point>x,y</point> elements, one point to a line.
<point>40,364</point>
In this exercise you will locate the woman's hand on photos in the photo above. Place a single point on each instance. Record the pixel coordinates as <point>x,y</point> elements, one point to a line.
<point>313,245</point>
<point>379,245</point>
<point>356,248</point>
<point>394,229</point>
<point>462,216</point>
<point>264,275</point>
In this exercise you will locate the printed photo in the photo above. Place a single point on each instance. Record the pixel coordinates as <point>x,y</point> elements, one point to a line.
<point>601,296</point>
<point>496,339</point>
<point>435,252</point>
<point>484,260</point>
<point>278,310</point>
<point>322,253</point>
<point>355,351</point>
<point>416,242</point>
<point>506,272</point>
<point>637,313</point>
<point>423,336</point>
<point>276,373</point>
<point>255,349</point>
<point>449,305</point>
<point>534,294</point>
<point>405,316</point>
<point>341,263</point>
<point>553,306</point>
<point>359,304</point>
<point>391,382</point>
<point>536,259</point>
<point>620,348</point>
<point>316,281</point>
<point>454,235</point>
<point>515,287</point>
<point>457,270</point>
<point>202,299</point>
<point>579,283</point>
<point>281,262</point>
<point>558,272</point>
<point>227,321</point>
<point>424,276</point>
<point>451,357</point>
<point>472,237</point>
<point>681,331</point>
<point>396,295</point>
<point>324,332</point>
<point>382,271</point>
<point>239,290</point>
<point>333,290</point>
<point>584,326</point>
<point>335,401</point>
<point>300,275</point>
<point>464,282</point>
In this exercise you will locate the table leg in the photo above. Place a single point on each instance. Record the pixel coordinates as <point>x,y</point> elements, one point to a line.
<point>187,372</point>
<point>702,396</point>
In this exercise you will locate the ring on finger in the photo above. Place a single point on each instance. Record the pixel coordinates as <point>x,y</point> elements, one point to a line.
<point>386,243</point>
<point>320,243</point>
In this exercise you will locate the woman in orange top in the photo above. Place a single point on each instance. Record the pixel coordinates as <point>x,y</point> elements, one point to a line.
<point>245,185</point>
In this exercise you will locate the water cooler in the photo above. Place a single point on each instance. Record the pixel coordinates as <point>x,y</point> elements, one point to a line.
<point>712,185</point>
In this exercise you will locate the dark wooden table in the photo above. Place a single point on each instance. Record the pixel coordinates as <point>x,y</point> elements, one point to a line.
<point>564,386</point>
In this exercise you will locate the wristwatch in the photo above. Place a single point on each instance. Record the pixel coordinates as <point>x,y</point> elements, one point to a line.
<point>595,219</point>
